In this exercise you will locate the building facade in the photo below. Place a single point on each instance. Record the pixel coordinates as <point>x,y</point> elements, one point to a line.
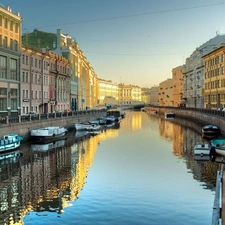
<point>177,77</point>
<point>214,83</point>
<point>193,72</point>
<point>10,44</point>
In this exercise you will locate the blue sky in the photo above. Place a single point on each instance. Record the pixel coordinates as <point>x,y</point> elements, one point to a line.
<point>131,41</point>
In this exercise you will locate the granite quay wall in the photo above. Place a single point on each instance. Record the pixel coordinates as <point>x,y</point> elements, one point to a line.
<point>24,124</point>
<point>201,116</point>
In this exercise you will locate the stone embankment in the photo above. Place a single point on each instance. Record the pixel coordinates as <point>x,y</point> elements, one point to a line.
<point>24,124</point>
<point>201,116</point>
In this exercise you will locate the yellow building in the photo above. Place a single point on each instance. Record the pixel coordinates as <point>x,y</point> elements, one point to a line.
<point>166,93</point>
<point>107,93</point>
<point>177,77</point>
<point>10,43</point>
<point>214,83</point>
<point>129,95</point>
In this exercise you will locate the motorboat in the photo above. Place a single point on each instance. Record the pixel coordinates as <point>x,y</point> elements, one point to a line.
<point>48,146</point>
<point>48,133</point>
<point>202,148</point>
<point>10,142</point>
<point>217,147</point>
<point>82,126</point>
<point>116,113</point>
<point>210,130</point>
<point>169,115</point>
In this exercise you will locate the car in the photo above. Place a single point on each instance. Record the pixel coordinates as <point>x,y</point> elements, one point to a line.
<point>32,113</point>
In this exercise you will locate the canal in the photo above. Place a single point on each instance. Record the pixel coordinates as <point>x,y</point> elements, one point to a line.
<point>142,172</point>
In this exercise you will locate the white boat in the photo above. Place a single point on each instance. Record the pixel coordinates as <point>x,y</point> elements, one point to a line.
<point>169,115</point>
<point>202,148</point>
<point>93,127</point>
<point>10,141</point>
<point>82,126</point>
<point>48,146</point>
<point>48,133</point>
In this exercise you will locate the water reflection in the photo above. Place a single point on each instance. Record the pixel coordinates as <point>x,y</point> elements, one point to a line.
<point>50,177</point>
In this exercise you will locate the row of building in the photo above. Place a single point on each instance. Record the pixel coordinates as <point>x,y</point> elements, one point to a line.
<point>47,72</point>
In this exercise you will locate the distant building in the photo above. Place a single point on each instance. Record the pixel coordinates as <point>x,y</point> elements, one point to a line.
<point>166,93</point>
<point>129,95</point>
<point>107,92</point>
<point>154,95</point>
<point>10,44</point>
<point>193,72</point>
<point>177,77</point>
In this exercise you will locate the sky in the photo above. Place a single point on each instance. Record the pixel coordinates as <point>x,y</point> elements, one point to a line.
<point>135,42</point>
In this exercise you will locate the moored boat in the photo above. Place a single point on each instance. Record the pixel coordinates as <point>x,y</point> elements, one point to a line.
<point>217,147</point>
<point>210,130</point>
<point>48,133</point>
<point>10,142</point>
<point>202,148</point>
<point>116,113</point>
<point>169,115</point>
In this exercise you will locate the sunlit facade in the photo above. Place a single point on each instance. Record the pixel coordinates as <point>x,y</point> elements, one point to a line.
<point>10,44</point>
<point>107,92</point>
<point>177,77</point>
<point>214,83</point>
<point>129,95</point>
<point>166,93</point>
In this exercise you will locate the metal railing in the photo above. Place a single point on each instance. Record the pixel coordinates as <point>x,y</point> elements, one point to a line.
<point>35,117</point>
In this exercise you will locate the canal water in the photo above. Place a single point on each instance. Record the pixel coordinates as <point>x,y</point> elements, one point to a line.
<point>142,172</point>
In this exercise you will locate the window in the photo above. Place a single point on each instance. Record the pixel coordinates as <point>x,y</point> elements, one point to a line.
<point>16,45</point>
<point>11,44</point>
<point>23,93</point>
<point>13,69</point>
<point>0,40</point>
<point>23,77</point>
<point>6,23</point>
<point>16,28</point>
<point>23,59</point>
<point>27,94</point>
<point>3,103</point>
<point>3,67</point>
<point>27,77</point>
<point>5,44</point>
<point>11,25</point>
<point>1,20</point>
<point>35,63</point>
<point>26,60</point>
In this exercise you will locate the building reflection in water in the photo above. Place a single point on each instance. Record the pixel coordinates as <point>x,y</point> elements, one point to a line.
<point>49,179</point>
<point>52,180</point>
<point>184,135</point>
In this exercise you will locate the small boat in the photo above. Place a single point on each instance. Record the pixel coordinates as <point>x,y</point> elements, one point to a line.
<point>217,147</point>
<point>86,126</point>
<point>48,146</point>
<point>110,119</point>
<point>116,113</point>
<point>202,148</point>
<point>169,115</point>
<point>210,130</point>
<point>48,133</point>
<point>82,126</point>
<point>10,141</point>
